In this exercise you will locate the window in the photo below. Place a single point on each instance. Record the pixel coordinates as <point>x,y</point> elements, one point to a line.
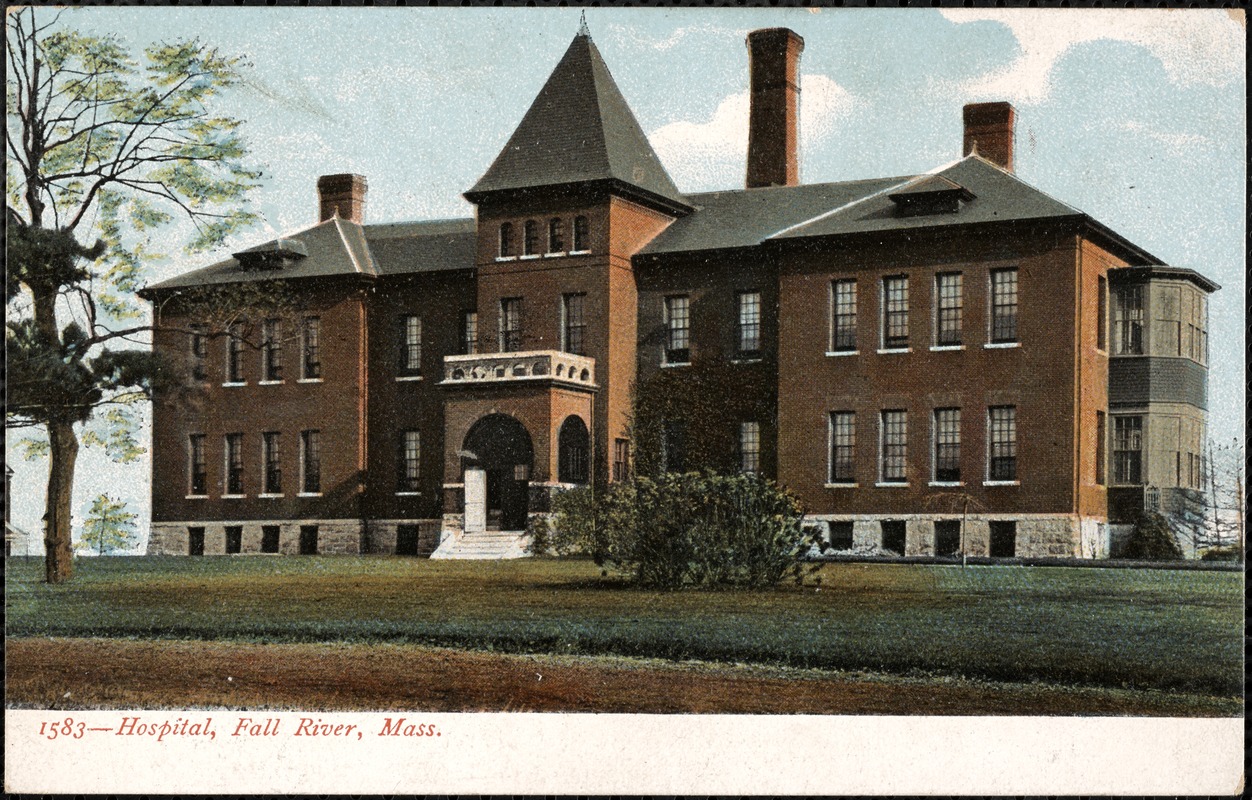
<point>894,536</point>
<point>750,447</point>
<point>841,535</point>
<point>674,447</point>
<point>410,470</point>
<point>234,353</point>
<point>677,329</point>
<point>573,326</point>
<point>1101,444</point>
<point>1002,443</point>
<point>234,463</point>
<point>1003,539</point>
<point>556,235</point>
<point>272,350</point>
<point>582,241</point>
<point>621,459</point>
<point>842,446</point>
<point>530,238</point>
<point>1003,306</point>
<point>199,351</point>
<point>947,537</point>
<point>234,539</point>
<point>195,541</point>
<point>947,445</point>
<point>1102,313</point>
<point>573,447</point>
<point>511,325</point>
<point>894,439</point>
<point>407,539</point>
<point>506,240</point>
<point>197,477</point>
<point>949,308</point>
<point>311,368</point>
<point>272,457</point>
<point>308,540</point>
<point>469,332</point>
<point>1128,321</point>
<point>310,462</point>
<point>895,312</point>
<point>411,352</point>
<point>749,322</point>
<point>1127,449</point>
<point>269,538</point>
<point>843,316</point>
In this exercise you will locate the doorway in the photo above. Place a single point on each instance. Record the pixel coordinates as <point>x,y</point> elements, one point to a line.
<point>500,446</point>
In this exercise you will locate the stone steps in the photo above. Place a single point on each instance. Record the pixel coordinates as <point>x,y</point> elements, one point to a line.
<point>482,545</point>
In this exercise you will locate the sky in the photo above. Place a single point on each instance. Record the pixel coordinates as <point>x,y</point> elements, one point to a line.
<point>1137,117</point>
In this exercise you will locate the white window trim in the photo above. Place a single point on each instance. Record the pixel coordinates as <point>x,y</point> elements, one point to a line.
<point>753,360</point>
<point>893,350</point>
<point>670,364</point>
<point>987,481</point>
<point>530,257</point>
<point>558,254</point>
<point>891,484</point>
<point>233,384</point>
<point>665,321</point>
<point>842,485</point>
<point>579,252</point>
<point>308,380</point>
<point>1001,345</point>
<point>506,258</point>
<point>991,302</point>
<point>270,383</point>
<point>408,494</point>
<point>270,495</point>
<point>940,348</point>
<point>196,497</point>
<point>882,446</point>
<point>402,378</point>
<point>882,313</point>
<point>838,353</point>
<point>233,496</point>
<point>948,484</point>
<point>309,494</point>
<point>934,314</point>
<point>1001,483</point>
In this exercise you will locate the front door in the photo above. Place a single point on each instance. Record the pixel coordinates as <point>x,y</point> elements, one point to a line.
<point>500,447</point>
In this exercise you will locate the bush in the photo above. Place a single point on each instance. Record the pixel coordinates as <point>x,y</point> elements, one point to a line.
<point>1152,540</point>
<point>1229,552</point>
<point>698,529</point>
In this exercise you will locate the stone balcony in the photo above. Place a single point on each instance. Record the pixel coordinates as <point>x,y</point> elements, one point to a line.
<point>548,366</point>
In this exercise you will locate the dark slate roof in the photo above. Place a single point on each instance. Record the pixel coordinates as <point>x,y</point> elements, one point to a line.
<point>339,247</point>
<point>334,247</point>
<point>411,247</point>
<point>1126,274</point>
<point>998,196</point>
<point>746,217</point>
<point>578,129</point>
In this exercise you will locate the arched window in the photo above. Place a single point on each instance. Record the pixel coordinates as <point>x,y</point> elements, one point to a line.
<point>573,447</point>
<point>506,239</point>
<point>581,232</point>
<point>530,238</point>
<point>556,235</point>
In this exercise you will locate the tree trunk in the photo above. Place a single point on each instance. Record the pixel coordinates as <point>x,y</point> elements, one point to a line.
<point>63,450</point>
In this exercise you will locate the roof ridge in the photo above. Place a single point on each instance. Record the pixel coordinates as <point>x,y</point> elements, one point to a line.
<point>346,245</point>
<point>843,207</point>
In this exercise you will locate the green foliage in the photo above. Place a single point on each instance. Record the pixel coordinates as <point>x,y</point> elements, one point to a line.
<point>693,529</point>
<point>109,527</point>
<point>1152,540</point>
<point>1227,553</point>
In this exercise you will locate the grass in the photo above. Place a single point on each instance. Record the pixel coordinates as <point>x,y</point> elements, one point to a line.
<point>1134,629</point>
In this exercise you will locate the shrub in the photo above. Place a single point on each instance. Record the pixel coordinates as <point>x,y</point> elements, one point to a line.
<point>1152,540</point>
<point>698,529</point>
<point>1229,552</point>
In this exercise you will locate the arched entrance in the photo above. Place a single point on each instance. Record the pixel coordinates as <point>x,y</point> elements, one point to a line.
<point>573,451</point>
<point>500,446</point>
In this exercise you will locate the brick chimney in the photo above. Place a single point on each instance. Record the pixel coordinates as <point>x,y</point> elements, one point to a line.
<point>989,128</point>
<point>773,122</point>
<point>345,194</point>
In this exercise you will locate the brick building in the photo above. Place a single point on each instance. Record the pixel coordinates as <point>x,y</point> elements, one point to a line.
<point>900,352</point>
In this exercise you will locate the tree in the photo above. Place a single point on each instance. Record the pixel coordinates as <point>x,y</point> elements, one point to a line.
<point>1152,540</point>
<point>109,526</point>
<point>101,145</point>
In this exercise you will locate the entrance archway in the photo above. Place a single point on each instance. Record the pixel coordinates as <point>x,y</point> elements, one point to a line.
<point>573,448</point>
<point>500,446</point>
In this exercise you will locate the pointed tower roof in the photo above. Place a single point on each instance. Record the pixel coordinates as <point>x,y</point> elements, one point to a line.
<point>579,129</point>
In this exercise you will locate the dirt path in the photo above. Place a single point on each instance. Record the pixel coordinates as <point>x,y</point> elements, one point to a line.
<point>115,673</point>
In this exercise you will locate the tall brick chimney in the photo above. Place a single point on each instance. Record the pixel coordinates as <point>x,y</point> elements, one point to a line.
<point>989,128</point>
<point>773,122</point>
<point>345,194</point>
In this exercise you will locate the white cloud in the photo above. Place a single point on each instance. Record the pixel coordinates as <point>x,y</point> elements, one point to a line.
<point>1195,47</point>
<point>702,155</point>
<point>1177,144</point>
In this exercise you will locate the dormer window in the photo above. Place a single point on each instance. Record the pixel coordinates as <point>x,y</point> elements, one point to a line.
<point>530,238</point>
<point>506,240</point>
<point>932,195</point>
<point>556,235</point>
<point>582,242</point>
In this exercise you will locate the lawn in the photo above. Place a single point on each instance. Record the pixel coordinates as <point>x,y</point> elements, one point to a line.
<point>1138,629</point>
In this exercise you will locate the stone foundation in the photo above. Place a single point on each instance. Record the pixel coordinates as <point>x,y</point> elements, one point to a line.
<point>1037,536</point>
<point>334,536</point>
<point>381,534</point>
